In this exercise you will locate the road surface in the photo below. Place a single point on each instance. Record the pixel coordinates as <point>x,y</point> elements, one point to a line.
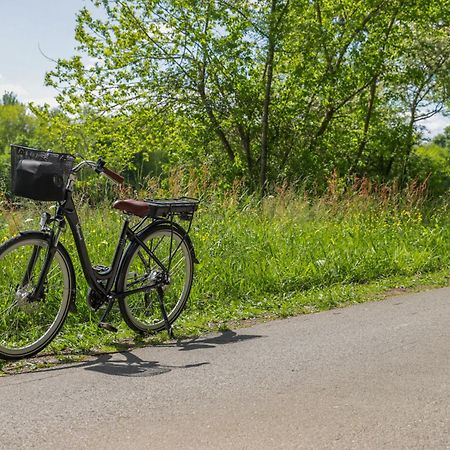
<point>370,376</point>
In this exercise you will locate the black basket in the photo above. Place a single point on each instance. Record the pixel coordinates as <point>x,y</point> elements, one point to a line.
<point>39,175</point>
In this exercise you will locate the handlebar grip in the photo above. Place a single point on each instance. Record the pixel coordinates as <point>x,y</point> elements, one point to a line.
<point>119,179</point>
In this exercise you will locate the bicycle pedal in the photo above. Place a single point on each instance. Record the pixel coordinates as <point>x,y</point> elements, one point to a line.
<point>108,327</point>
<point>101,270</point>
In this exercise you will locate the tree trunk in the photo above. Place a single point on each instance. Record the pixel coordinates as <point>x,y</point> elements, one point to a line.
<point>266,105</point>
<point>245,141</point>
<point>201,88</point>
<point>215,123</point>
<point>363,143</point>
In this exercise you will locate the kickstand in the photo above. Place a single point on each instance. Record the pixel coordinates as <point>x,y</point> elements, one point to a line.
<point>164,313</point>
<point>106,325</point>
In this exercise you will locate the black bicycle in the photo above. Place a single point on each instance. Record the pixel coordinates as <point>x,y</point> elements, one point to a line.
<point>150,275</point>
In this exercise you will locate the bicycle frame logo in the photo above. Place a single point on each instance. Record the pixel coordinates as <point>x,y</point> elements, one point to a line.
<point>79,232</point>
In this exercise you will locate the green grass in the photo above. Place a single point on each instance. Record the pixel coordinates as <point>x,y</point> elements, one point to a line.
<point>282,257</point>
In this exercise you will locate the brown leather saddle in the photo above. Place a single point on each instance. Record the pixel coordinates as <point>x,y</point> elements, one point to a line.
<point>135,207</point>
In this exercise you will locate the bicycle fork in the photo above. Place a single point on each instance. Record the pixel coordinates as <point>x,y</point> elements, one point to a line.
<point>36,295</point>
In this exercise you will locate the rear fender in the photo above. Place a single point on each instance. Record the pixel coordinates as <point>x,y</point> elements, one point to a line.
<point>178,228</point>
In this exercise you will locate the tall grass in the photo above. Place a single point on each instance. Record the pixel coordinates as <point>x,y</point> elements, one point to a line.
<point>285,254</point>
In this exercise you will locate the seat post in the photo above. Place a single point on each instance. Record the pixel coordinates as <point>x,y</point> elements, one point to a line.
<point>114,268</point>
<point>118,253</point>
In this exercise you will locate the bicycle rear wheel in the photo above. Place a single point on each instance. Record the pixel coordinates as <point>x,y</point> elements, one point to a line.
<point>141,311</point>
<point>27,326</point>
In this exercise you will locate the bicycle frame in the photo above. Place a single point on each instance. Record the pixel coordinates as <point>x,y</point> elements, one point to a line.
<point>67,211</point>
<point>102,280</point>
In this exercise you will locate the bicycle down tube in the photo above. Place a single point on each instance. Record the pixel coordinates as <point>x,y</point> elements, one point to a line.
<point>68,210</point>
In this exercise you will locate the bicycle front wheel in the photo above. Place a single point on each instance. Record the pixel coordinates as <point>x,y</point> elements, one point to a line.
<point>26,325</point>
<point>141,311</point>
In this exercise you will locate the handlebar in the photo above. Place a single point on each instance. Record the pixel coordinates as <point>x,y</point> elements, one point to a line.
<point>119,179</point>
<point>100,168</point>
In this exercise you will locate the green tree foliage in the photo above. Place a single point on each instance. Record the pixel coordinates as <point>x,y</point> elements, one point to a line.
<point>271,90</point>
<point>443,140</point>
<point>15,124</point>
<point>9,98</point>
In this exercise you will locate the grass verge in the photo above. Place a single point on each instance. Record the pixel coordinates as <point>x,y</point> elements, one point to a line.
<point>273,259</point>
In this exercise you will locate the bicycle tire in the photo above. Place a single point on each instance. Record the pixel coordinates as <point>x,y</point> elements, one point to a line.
<point>27,327</point>
<point>141,312</point>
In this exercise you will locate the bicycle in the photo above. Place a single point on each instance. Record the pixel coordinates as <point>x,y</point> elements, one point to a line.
<point>150,275</point>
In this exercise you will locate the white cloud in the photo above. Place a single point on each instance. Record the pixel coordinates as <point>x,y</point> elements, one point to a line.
<point>16,88</point>
<point>43,97</point>
<point>90,62</point>
<point>436,124</point>
<point>42,101</point>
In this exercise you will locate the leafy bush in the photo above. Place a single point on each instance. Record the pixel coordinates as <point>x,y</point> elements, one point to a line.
<point>431,162</point>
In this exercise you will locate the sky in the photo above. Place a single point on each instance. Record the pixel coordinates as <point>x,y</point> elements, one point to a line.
<point>30,29</point>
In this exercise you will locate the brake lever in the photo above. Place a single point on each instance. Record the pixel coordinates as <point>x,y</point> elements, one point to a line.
<point>100,165</point>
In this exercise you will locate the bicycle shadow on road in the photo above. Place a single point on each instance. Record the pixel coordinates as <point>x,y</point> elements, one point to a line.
<point>130,365</point>
<point>127,364</point>
<point>123,363</point>
<point>226,337</point>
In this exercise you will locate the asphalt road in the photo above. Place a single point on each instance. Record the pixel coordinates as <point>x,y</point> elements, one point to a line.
<point>373,376</point>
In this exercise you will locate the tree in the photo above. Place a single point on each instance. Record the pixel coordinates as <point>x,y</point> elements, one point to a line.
<point>208,62</point>
<point>9,98</point>
<point>443,139</point>
<point>16,126</point>
<point>267,90</point>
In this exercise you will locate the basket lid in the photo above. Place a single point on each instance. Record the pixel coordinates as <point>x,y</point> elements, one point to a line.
<point>22,148</point>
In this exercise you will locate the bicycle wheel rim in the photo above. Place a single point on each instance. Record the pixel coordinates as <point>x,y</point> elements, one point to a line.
<point>26,328</point>
<point>143,310</point>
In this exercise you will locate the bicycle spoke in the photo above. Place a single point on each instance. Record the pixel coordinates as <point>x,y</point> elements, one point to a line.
<point>153,249</point>
<point>134,283</point>
<point>5,311</point>
<point>28,325</point>
<point>177,266</point>
<point>144,261</point>
<point>142,310</point>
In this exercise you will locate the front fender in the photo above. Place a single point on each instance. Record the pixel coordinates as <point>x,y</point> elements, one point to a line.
<point>68,259</point>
